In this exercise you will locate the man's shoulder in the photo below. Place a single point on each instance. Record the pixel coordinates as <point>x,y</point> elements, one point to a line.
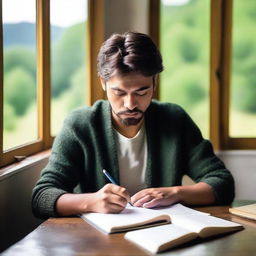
<point>168,108</point>
<point>84,114</point>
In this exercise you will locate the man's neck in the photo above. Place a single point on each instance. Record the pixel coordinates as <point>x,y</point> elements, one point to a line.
<point>127,131</point>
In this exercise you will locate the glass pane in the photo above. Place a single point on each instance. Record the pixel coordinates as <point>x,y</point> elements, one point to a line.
<point>19,39</point>
<point>184,44</point>
<point>243,72</point>
<point>68,72</point>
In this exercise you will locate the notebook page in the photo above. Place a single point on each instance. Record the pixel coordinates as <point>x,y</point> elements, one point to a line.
<point>130,215</point>
<point>179,209</point>
<point>153,238</point>
<point>198,222</point>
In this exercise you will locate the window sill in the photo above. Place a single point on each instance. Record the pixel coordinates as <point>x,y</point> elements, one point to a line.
<point>236,153</point>
<point>27,162</point>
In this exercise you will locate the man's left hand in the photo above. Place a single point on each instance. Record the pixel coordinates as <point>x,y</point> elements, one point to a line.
<point>155,197</point>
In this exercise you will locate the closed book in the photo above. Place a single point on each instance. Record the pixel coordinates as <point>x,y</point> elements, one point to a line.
<point>247,211</point>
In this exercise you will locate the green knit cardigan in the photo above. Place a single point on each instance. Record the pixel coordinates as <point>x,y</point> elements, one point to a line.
<point>86,145</point>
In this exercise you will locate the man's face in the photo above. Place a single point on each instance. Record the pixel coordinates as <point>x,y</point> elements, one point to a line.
<point>129,97</point>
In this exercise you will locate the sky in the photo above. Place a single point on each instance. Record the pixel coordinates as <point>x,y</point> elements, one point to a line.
<point>64,13</point>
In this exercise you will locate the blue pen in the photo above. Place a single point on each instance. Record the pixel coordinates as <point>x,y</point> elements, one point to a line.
<point>111,179</point>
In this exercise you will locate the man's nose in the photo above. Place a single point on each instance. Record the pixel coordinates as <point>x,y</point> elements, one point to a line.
<point>130,102</point>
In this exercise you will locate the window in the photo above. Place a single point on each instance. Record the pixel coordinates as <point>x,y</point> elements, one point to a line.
<point>41,47</point>
<point>219,35</point>
<point>20,74</point>
<point>228,64</point>
<point>184,43</point>
<point>68,55</point>
<point>242,121</point>
<point>232,122</point>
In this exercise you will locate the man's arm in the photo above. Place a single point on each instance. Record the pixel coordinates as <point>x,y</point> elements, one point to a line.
<point>110,199</point>
<point>197,194</point>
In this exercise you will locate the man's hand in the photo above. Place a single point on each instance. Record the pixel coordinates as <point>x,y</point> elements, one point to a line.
<point>154,197</point>
<point>109,199</point>
<point>196,194</point>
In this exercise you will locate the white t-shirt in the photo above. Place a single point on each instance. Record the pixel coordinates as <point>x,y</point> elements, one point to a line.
<point>132,160</point>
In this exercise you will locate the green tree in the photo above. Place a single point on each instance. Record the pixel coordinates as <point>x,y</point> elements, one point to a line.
<point>67,57</point>
<point>244,88</point>
<point>244,57</point>
<point>186,43</point>
<point>77,90</point>
<point>20,57</point>
<point>187,86</point>
<point>19,90</point>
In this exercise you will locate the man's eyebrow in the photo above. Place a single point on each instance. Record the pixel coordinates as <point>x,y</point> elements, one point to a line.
<point>140,89</point>
<point>144,88</point>
<point>116,88</point>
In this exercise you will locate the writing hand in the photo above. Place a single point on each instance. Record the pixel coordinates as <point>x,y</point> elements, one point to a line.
<point>110,199</point>
<point>155,197</point>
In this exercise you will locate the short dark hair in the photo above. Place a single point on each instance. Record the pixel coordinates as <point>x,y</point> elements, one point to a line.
<point>129,52</point>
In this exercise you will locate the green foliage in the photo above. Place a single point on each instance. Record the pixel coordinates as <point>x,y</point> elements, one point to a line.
<point>20,57</point>
<point>185,34</point>
<point>244,56</point>
<point>9,118</point>
<point>186,43</point>
<point>187,86</point>
<point>244,87</point>
<point>243,47</point>
<point>185,48</point>
<point>68,56</point>
<point>19,90</point>
<point>77,89</point>
<point>248,96</point>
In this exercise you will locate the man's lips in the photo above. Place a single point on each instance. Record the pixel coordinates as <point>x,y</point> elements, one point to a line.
<point>131,114</point>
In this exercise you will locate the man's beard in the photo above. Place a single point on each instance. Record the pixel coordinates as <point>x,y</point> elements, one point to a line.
<point>130,120</point>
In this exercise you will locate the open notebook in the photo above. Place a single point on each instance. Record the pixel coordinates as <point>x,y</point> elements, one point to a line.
<point>136,218</point>
<point>163,228</point>
<point>184,228</point>
<point>130,218</point>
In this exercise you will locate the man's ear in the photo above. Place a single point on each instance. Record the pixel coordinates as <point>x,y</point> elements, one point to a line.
<point>103,83</point>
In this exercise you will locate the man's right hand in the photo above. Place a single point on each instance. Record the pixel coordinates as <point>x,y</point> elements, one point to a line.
<point>109,199</point>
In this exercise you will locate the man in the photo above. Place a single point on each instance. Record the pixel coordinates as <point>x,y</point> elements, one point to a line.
<point>145,145</point>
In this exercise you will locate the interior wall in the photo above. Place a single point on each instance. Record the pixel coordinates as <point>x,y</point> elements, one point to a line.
<point>242,164</point>
<point>123,15</point>
<point>16,219</point>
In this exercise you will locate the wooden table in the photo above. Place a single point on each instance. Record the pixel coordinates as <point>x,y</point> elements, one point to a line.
<point>73,236</point>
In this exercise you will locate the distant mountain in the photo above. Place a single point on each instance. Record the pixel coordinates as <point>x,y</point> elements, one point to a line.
<point>24,33</point>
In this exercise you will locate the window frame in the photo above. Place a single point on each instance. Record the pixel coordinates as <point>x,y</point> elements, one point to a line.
<point>20,152</point>
<point>220,66</point>
<point>45,139</point>
<point>221,50</point>
<point>220,54</point>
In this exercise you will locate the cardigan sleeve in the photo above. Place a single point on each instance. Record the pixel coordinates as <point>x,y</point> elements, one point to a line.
<point>205,166</point>
<point>61,174</point>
